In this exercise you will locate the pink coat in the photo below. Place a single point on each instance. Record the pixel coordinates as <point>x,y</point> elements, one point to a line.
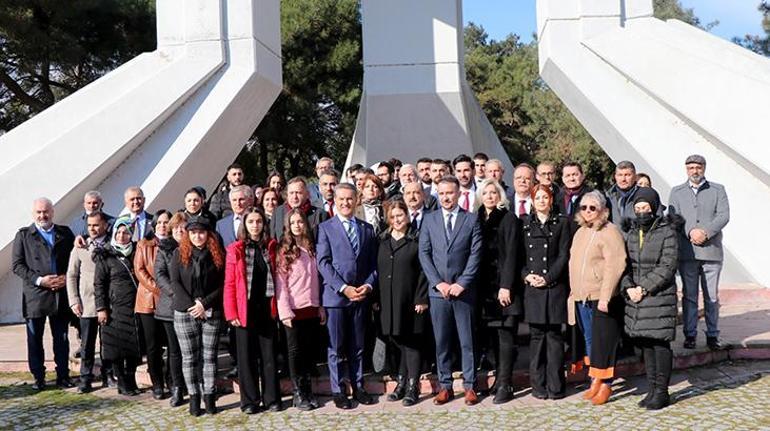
<point>235,294</point>
<point>299,288</point>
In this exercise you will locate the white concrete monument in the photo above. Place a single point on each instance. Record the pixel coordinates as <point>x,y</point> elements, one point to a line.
<point>416,101</point>
<point>166,120</point>
<point>654,92</point>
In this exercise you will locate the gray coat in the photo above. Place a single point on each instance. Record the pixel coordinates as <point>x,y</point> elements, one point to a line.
<point>625,209</point>
<point>708,210</point>
<point>653,267</point>
<point>80,279</point>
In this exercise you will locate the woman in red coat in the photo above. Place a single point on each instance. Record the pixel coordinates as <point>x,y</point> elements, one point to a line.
<point>249,307</point>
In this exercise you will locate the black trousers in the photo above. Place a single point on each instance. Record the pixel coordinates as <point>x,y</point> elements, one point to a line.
<point>506,353</point>
<point>174,359</point>
<point>658,361</point>
<point>256,362</point>
<point>301,347</point>
<point>89,328</point>
<point>154,339</point>
<point>546,359</point>
<point>410,358</point>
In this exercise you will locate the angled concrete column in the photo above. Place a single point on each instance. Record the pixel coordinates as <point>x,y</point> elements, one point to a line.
<point>416,100</point>
<point>654,92</point>
<point>166,120</point>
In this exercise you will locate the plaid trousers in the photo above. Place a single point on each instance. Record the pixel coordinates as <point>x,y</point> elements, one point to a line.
<point>198,341</point>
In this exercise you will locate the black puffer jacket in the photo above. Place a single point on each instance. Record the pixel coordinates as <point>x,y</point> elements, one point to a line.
<point>652,266</point>
<point>164,310</point>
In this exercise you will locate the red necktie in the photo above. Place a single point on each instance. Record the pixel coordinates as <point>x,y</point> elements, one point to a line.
<point>331,208</point>
<point>466,202</point>
<point>522,208</point>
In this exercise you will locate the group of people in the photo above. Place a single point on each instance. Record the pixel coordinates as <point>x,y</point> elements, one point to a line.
<point>443,258</point>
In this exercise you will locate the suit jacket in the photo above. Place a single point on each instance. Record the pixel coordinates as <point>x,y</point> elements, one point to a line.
<point>337,263</point>
<point>708,210</point>
<point>456,261</point>
<point>226,231</point>
<point>80,226</point>
<point>32,259</point>
<point>147,223</point>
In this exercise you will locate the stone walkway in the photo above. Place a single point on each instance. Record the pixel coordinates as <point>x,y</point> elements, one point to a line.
<point>729,396</point>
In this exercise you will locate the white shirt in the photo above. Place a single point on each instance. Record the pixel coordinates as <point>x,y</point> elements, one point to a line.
<point>434,190</point>
<point>237,223</point>
<point>416,215</point>
<point>445,214</point>
<point>527,204</point>
<point>471,197</point>
<point>696,187</point>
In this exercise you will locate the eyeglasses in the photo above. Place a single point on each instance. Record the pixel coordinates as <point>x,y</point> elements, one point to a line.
<point>588,208</point>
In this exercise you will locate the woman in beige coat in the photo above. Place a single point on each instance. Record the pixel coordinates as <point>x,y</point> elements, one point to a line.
<point>597,262</point>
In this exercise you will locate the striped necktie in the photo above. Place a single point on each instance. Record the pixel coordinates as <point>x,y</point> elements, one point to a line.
<point>350,230</point>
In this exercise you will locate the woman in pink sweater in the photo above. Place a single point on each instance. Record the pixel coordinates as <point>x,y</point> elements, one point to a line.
<point>299,303</point>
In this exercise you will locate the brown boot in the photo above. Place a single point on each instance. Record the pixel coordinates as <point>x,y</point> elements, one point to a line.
<point>593,390</point>
<point>603,395</point>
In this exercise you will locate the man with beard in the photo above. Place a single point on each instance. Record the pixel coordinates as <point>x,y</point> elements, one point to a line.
<point>220,201</point>
<point>385,172</point>
<point>479,168</point>
<point>465,174</point>
<point>423,172</point>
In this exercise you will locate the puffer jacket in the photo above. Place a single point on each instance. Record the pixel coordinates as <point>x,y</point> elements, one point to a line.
<point>653,259</point>
<point>148,295</point>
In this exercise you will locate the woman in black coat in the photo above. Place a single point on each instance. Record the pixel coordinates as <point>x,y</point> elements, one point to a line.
<point>649,288</point>
<point>499,285</point>
<point>164,311</point>
<point>546,237</point>
<point>115,295</point>
<point>403,298</point>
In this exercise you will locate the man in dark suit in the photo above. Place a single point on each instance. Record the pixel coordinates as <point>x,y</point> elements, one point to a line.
<point>297,197</point>
<point>414,198</point>
<point>41,254</point>
<point>568,199</point>
<point>450,252</point>
<point>241,199</point>
<point>141,219</point>
<point>347,260</point>
<point>92,203</point>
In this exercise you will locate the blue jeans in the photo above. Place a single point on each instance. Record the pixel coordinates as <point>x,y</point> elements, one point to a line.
<point>585,317</point>
<point>704,275</point>
<point>61,346</point>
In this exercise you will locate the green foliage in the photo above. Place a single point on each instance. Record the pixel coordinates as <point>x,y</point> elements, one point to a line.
<point>756,43</point>
<point>48,50</point>
<point>532,123</point>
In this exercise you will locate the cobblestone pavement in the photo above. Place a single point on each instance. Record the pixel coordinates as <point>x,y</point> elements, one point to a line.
<point>730,396</point>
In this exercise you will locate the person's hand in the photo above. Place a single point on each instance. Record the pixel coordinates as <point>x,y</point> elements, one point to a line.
<point>197,311</point>
<point>531,279</point>
<point>603,306</point>
<point>456,290</point>
<point>77,309</point>
<point>322,315</point>
<point>286,323</point>
<point>504,297</point>
<point>236,323</point>
<point>698,236</point>
<point>102,316</point>
<point>60,282</point>
<point>49,281</point>
<point>443,288</point>
<point>80,242</point>
<point>363,291</point>
<point>351,293</point>
<point>420,308</point>
<point>540,281</point>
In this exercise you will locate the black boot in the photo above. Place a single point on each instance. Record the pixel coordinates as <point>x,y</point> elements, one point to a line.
<point>664,362</point>
<point>177,397</point>
<point>306,387</point>
<point>503,393</point>
<point>411,393</point>
<point>400,390</point>
<point>131,386</point>
<point>300,399</point>
<point>195,405</point>
<point>649,365</point>
<point>211,403</point>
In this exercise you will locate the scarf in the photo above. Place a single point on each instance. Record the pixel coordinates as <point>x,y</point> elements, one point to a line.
<point>568,198</point>
<point>123,249</point>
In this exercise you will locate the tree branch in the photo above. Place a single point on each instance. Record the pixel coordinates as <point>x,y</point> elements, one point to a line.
<point>25,98</point>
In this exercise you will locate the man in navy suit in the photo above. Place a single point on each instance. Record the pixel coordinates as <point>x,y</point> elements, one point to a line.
<point>450,251</point>
<point>241,199</point>
<point>347,261</point>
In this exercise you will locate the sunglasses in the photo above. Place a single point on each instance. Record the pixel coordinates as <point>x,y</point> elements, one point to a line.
<point>591,208</point>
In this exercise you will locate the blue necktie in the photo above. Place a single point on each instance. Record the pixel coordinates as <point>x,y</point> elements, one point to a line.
<point>350,229</point>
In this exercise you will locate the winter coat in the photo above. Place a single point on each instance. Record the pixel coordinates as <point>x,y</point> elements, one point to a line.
<point>80,279</point>
<point>164,309</point>
<point>235,294</point>
<point>199,279</point>
<point>148,295</point>
<point>500,263</point>
<point>402,285</point>
<point>546,248</point>
<point>115,291</point>
<point>652,264</point>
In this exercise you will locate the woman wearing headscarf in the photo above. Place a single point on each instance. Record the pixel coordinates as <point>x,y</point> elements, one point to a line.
<point>197,276</point>
<point>115,295</point>
<point>649,288</point>
<point>147,298</point>
<point>597,261</point>
<point>164,311</point>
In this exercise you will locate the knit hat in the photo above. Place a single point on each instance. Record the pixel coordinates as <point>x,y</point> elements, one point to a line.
<point>649,195</point>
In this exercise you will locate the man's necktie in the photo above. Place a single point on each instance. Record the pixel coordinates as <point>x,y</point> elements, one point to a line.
<point>414,221</point>
<point>350,229</point>
<point>449,227</point>
<point>522,208</point>
<point>466,201</point>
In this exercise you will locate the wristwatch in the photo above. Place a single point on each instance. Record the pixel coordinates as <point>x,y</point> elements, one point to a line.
<point>644,292</point>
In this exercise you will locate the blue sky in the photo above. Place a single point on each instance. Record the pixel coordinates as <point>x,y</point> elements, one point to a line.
<point>501,17</point>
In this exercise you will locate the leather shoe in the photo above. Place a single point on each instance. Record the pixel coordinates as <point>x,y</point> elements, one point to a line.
<point>342,402</point>
<point>540,395</point>
<point>250,409</point>
<point>503,394</point>
<point>444,396</point>
<point>557,396</point>
<point>603,395</point>
<point>275,407</point>
<point>65,383</point>
<point>471,399</point>
<point>689,343</point>
<point>713,343</point>
<point>84,387</point>
<point>593,390</point>
<point>39,385</point>
<point>363,397</point>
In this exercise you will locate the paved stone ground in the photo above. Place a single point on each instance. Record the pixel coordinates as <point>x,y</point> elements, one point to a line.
<point>729,396</point>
